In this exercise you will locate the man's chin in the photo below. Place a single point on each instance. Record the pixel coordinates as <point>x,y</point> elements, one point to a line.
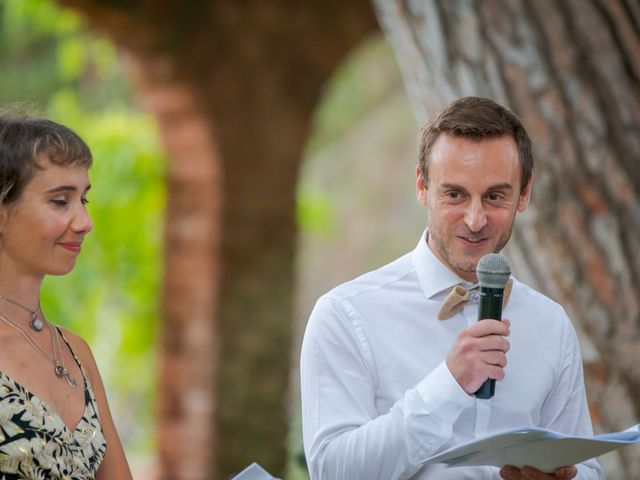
<point>468,265</point>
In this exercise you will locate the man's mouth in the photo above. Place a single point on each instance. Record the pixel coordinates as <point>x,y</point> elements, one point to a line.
<point>472,240</point>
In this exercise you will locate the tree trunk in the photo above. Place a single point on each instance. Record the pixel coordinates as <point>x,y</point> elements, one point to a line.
<point>571,70</point>
<point>233,86</point>
<point>189,344</point>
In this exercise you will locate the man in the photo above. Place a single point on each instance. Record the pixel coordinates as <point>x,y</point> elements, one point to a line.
<point>386,384</point>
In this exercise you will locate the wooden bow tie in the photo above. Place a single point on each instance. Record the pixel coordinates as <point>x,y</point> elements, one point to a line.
<point>459,296</point>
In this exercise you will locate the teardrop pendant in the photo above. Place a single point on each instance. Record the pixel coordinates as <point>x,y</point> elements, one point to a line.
<point>36,323</point>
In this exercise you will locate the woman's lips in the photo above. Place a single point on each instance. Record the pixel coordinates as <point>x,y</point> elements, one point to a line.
<point>71,246</point>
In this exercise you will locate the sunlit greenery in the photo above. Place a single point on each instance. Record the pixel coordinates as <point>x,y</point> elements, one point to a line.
<point>52,64</point>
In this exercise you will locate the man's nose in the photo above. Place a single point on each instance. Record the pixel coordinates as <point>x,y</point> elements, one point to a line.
<point>475,217</point>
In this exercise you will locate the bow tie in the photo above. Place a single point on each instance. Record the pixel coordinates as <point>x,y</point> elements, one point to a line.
<point>459,296</point>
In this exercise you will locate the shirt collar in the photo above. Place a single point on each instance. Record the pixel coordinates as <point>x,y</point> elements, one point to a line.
<point>433,275</point>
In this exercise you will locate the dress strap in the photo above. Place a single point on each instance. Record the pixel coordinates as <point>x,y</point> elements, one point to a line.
<point>88,389</point>
<point>73,354</point>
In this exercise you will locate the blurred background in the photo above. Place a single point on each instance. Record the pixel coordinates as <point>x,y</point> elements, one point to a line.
<point>249,156</point>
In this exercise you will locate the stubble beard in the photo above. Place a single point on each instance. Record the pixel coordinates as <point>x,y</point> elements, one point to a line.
<point>469,265</point>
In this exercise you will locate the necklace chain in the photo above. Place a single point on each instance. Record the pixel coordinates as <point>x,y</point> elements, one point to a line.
<point>36,323</point>
<point>58,364</point>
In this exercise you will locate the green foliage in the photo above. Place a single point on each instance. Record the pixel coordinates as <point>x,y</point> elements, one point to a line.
<point>361,85</point>
<point>314,211</point>
<point>51,61</point>
<point>44,49</point>
<point>357,87</point>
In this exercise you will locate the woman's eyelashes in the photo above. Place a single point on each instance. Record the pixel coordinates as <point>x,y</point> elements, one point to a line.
<point>64,202</point>
<point>59,202</point>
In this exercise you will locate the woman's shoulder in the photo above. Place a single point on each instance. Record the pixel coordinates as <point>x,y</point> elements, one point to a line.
<point>82,351</point>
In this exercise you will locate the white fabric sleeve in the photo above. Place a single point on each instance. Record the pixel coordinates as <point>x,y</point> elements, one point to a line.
<point>345,437</point>
<point>565,409</point>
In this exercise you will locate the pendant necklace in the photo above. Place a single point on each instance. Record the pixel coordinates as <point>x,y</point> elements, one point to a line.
<point>58,362</point>
<point>36,323</point>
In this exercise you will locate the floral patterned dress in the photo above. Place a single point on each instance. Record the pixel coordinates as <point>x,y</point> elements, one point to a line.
<point>35,443</point>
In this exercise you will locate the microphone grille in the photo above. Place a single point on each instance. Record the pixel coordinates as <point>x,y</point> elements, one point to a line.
<point>493,271</point>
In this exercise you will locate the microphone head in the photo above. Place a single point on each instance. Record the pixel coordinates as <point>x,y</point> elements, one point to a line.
<point>493,271</point>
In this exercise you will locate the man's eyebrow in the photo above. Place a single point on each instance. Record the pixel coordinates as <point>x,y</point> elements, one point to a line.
<point>501,186</point>
<point>497,186</point>
<point>452,186</point>
<point>66,188</point>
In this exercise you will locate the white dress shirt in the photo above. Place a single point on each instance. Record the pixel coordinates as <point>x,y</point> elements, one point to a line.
<point>378,398</point>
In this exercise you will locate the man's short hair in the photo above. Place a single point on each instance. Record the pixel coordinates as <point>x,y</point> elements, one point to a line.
<point>476,118</point>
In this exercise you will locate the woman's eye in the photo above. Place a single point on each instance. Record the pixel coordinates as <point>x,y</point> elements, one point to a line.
<point>84,201</point>
<point>59,203</point>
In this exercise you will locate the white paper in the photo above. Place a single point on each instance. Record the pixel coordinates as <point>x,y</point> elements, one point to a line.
<point>254,472</point>
<point>539,448</point>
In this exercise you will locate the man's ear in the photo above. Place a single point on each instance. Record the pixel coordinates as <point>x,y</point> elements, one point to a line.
<point>421,188</point>
<point>525,195</point>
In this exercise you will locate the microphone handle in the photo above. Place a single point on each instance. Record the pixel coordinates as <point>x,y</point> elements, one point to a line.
<point>490,308</point>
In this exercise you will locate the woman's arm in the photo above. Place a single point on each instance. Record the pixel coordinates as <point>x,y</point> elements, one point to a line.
<point>115,463</point>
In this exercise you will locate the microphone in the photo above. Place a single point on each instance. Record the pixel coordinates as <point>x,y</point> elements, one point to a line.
<point>493,272</point>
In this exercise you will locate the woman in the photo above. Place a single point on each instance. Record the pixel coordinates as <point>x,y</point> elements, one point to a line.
<point>54,418</point>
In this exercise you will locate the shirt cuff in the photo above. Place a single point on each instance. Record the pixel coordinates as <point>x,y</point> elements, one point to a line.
<point>442,394</point>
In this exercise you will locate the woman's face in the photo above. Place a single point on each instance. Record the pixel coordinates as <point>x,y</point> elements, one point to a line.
<point>41,233</point>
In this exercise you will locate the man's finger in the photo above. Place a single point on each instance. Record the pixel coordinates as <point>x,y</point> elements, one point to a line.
<point>489,327</point>
<point>566,473</point>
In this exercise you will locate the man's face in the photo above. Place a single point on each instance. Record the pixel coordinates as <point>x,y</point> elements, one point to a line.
<point>472,198</point>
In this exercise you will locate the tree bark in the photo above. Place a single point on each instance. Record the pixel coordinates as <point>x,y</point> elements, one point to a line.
<point>571,70</point>
<point>189,345</point>
<point>233,86</point>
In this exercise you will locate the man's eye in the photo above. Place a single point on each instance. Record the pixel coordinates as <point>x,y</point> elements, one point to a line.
<point>453,195</point>
<point>494,197</point>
